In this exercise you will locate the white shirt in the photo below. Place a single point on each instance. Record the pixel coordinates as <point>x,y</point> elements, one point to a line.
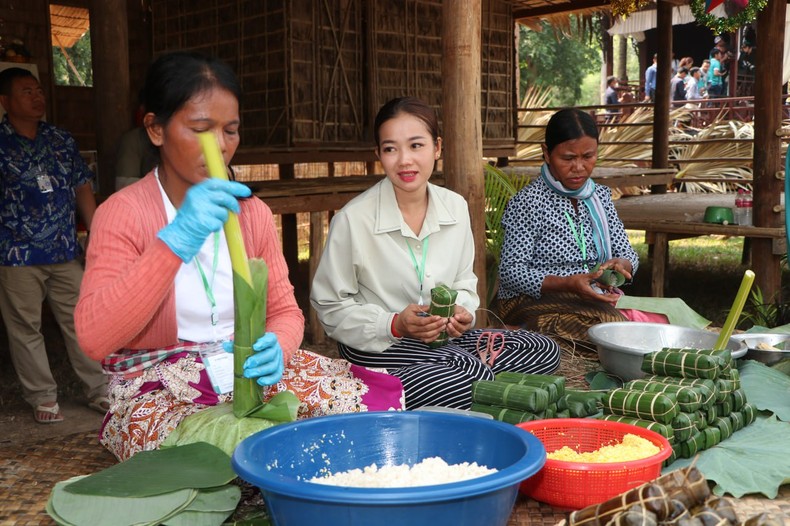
<point>193,310</point>
<point>367,275</point>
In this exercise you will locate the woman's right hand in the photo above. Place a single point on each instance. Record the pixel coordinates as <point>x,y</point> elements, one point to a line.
<point>582,284</point>
<point>204,210</point>
<point>415,322</point>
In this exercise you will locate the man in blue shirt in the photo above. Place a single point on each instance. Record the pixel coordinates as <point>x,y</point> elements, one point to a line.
<point>650,80</point>
<point>43,180</point>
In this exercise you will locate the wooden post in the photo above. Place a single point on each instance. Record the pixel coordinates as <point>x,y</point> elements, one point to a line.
<point>110,50</point>
<point>662,104</point>
<point>768,155</point>
<point>461,116</point>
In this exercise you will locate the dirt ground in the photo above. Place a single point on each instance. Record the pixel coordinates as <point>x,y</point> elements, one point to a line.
<point>17,426</point>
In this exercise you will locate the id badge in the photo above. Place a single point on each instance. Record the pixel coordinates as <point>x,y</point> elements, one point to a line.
<point>219,366</point>
<point>44,183</point>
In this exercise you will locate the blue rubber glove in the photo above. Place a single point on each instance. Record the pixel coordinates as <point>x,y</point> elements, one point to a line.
<point>204,210</point>
<point>266,364</point>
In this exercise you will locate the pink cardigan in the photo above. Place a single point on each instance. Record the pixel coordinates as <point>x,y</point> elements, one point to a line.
<point>127,298</point>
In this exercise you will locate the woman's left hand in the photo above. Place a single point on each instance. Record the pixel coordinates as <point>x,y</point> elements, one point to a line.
<point>459,323</point>
<point>265,365</point>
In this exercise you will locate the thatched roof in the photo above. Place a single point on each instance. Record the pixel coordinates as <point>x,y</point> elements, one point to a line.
<point>69,24</point>
<point>547,9</point>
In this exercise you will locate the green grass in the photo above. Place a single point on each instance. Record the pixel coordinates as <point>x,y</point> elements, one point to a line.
<point>705,272</point>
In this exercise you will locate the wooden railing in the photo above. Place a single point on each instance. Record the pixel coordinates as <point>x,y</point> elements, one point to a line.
<point>690,115</point>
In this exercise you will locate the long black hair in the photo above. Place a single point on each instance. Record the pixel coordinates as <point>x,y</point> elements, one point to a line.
<point>174,78</point>
<point>411,106</point>
<point>569,124</point>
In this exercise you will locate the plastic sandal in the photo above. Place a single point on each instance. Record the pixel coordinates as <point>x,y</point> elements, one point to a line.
<point>100,404</point>
<point>54,410</point>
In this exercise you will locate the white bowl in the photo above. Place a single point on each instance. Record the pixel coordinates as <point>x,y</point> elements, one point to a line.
<point>622,345</point>
<point>766,356</point>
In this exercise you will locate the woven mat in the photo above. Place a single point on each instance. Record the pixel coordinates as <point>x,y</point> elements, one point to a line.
<point>27,475</point>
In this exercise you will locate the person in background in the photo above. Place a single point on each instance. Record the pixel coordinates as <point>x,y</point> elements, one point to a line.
<point>157,304</point>
<point>43,183</point>
<point>387,249</point>
<point>716,75</point>
<point>561,232</point>
<point>650,80</point>
<point>610,95</point>
<point>692,85</point>
<point>677,86</point>
<point>135,156</point>
<point>703,77</point>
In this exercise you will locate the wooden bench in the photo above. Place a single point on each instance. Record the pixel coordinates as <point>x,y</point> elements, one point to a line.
<point>666,217</point>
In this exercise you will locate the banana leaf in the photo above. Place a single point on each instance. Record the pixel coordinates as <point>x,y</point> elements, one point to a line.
<point>249,305</point>
<point>66,507</point>
<point>503,414</point>
<point>681,364</point>
<point>442,304</point>
<point>149,473</point>
<point>554,385</point>
<point>219,427</point>
<point>659,407</point>
<point>210,508</point>
<point>249,292</point>
<point>511,396</point>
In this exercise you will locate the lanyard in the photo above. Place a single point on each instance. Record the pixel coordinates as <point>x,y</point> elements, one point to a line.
<point>419,269</point>
<point>209,287</point>
<point>578,236</point>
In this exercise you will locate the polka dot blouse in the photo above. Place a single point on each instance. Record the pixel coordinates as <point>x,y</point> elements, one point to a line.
<point>540,242</point>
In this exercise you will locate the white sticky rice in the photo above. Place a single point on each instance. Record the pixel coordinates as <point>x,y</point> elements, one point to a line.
<point>433,470</point>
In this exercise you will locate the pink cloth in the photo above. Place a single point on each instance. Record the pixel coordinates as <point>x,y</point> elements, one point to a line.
<point>640,315</point>
<point>127,299</point>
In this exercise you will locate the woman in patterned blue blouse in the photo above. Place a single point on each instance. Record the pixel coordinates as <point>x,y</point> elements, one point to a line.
<point>561,232</point>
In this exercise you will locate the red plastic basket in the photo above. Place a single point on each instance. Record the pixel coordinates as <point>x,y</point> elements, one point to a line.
<point>576,485</point>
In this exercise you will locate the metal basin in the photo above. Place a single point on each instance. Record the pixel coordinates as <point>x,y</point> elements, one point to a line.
<point>622,345</point>
<point>755,340</point>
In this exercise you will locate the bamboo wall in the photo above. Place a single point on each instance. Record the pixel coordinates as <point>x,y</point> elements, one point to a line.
<point>314,73</point>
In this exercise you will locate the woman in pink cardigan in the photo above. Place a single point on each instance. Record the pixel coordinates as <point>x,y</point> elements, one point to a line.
<point>156,303</point>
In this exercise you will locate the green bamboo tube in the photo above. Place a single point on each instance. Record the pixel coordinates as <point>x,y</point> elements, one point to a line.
<point>706,388</point>
<point>725,427</point>
<point>662,429</point>
<point>749,413</point>
<point>712,436</point>
<point>684,426</point>
<point>738,399</point>
<point>554,385</point>
<point>503,414</point>
<point>511,396</point>
<point>659,407</point>
<point>682,364</point>
<point>738,420</point>
<point>248,305</point>
<point>442,304</point>
<point>688,399</point>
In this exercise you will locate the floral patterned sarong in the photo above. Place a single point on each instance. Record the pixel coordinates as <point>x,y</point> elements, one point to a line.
<point>146,407</point>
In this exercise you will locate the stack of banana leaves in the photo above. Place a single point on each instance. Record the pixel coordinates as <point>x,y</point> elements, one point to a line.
<point>517,397</point>
<point>692,397</point>
<point>186,485</point>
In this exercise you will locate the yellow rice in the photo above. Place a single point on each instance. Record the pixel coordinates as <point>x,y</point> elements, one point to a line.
<point>632,447</point>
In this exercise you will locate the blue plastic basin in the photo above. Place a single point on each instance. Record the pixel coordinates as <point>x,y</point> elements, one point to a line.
<point>280,460</point>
